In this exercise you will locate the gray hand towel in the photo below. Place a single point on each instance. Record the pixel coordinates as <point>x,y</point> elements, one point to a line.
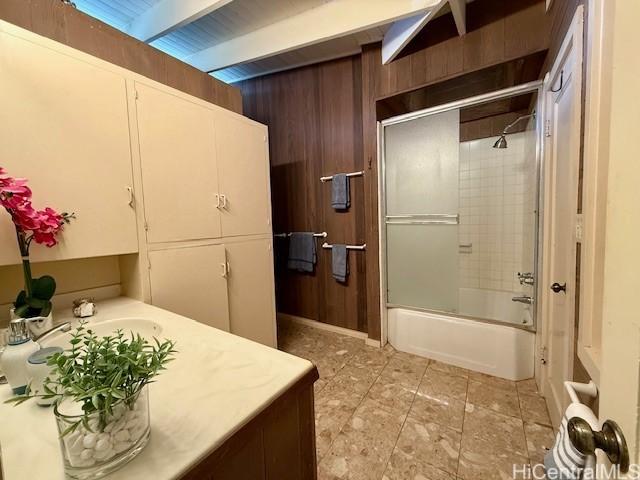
<point>302,252</point>
<point>340,192</point>
<point>340,262</point>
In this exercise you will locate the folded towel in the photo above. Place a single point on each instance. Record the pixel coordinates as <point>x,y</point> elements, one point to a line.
<point>339,262</point>
<point>302,252</point>
<point>340,192</point>
<point>564,461</point>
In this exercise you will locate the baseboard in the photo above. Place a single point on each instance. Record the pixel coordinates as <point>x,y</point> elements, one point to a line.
<point>372,342</point>
<point>322,326</point>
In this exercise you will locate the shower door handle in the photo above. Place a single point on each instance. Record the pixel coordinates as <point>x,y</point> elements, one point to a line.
<point>557,288</point>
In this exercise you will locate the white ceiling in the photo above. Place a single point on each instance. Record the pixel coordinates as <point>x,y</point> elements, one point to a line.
<point>236,22</point>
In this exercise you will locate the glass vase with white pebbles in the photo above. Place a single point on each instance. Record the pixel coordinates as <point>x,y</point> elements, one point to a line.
<point>96,444</point>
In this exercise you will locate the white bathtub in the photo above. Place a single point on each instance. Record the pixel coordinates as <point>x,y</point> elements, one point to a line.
<point>498,350</point>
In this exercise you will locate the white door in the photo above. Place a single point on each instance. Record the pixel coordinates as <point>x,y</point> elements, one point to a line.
<point>65,128</point>
<point>192,281</point>
<point>252,290</point>
<point>619,136</point>
<point>179,171</point>
<point>243,165</point>
<point>562,148</point>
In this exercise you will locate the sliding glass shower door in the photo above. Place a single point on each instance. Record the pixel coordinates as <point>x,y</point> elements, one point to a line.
<point>460,206</point>
<point>421,194</point>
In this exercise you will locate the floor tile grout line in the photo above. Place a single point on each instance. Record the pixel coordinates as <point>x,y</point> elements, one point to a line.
<point>464,417</point>
<point>406,417</point>
<point>357,406</point>
<point>524,431</point>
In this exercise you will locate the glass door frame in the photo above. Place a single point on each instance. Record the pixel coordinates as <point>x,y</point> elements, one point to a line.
<point>524,88</point>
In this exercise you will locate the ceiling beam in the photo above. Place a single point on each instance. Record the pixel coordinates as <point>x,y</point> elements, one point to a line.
<point>459,11</point>
<point>403,31</point>
<point>168,15</point>
<point>326,22</point>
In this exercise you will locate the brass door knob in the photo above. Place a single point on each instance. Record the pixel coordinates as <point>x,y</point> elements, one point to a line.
<point>610,440</point>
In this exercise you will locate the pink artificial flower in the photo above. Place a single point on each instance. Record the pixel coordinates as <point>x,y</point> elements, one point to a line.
<point>48,239</point>
<point>15,197</point>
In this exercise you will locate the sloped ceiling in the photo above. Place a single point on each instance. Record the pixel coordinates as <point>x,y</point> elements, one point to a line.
<point>239,39</point>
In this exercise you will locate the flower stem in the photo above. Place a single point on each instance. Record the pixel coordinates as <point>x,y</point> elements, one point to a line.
<point>26,265</point>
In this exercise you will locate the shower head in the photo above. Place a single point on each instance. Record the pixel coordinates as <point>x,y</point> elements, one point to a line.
<point>501,142</point>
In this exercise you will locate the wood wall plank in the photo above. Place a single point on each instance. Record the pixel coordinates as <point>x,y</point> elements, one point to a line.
<point>371,66</point>
<point>315,129</point>
<point>65,24</point>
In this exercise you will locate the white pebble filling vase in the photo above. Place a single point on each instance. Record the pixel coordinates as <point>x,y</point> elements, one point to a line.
<point>106,445</point>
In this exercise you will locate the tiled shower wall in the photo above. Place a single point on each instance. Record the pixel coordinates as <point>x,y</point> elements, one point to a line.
<point>497,193</point>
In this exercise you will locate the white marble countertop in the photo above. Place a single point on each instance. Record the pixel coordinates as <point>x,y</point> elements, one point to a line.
<point>216,384</point>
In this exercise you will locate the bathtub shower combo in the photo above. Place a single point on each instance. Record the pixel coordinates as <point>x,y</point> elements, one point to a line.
<point>459,190</point>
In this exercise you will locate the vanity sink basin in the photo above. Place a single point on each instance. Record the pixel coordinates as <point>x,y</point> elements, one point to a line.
<point>147,329</point>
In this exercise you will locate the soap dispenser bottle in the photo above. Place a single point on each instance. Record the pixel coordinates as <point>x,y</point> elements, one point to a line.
<point>14,358</point>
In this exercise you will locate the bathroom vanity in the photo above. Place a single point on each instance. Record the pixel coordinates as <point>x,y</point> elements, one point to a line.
<point>226,408</point>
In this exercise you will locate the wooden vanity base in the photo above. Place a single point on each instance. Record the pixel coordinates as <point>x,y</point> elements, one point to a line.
<point>278,444</point>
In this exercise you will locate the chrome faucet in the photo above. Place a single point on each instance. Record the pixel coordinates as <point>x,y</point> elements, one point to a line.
<point>63,327</point>
<point>526,278</point>
<point>523,299</point>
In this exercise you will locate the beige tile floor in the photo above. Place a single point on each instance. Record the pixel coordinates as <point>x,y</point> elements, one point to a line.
<point>387,415</point>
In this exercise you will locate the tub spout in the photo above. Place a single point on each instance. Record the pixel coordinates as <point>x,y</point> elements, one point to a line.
<point>523,299</point>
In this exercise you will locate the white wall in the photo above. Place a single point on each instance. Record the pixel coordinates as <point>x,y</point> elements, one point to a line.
<point>71,276</point>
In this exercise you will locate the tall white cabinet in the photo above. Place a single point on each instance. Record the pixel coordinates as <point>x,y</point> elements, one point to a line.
<point>177,186</point>
<point>207,212</point>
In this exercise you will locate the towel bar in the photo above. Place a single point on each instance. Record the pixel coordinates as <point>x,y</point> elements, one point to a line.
<point>352,174</point>
<point>349,247</point>
<point>285,235</point>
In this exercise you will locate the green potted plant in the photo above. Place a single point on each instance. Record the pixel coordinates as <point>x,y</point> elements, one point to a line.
<point>39,226</point>
<point>101,398</point>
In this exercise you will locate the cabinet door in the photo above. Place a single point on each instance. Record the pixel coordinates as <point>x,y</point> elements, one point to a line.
<point>251,291</point>
<point>179,173</point>
<point>191,281</point>
<point>65,127</point>
<point>243,165</point>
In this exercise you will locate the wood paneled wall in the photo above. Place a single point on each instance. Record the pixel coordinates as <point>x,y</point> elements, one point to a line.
<point>560,16</point>
<point>65,24</point>
<point>324,116</point>
<point>315,129</point>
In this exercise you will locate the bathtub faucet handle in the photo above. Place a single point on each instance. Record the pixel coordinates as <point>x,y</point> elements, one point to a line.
<point>526,278</point>
<point>523,299</point>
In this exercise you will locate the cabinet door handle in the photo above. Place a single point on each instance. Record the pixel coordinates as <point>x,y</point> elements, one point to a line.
<point>131,197</point>
<point>224,200</point>
<point>225,271</point>
<point>217,200</point>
